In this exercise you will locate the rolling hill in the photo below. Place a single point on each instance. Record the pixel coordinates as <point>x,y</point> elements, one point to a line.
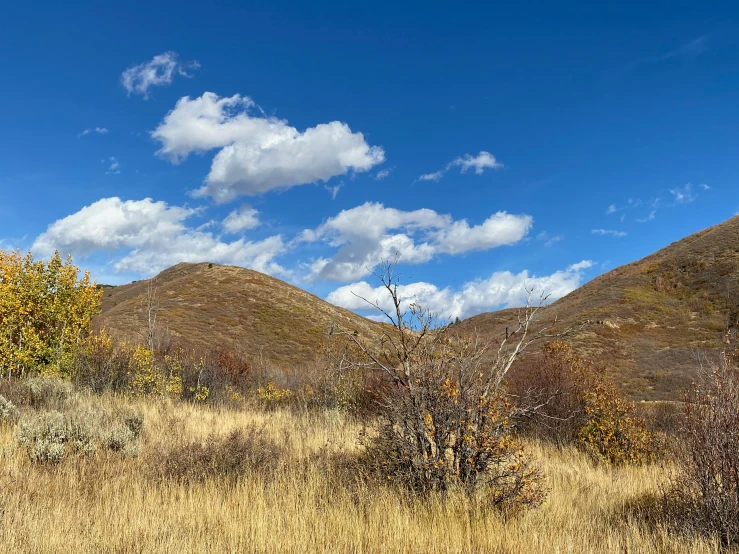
<point>649,322</point>
<point>206,305</point>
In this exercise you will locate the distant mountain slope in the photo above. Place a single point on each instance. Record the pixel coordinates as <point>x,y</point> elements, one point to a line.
<point>207,305</point>
<point>650,320</point>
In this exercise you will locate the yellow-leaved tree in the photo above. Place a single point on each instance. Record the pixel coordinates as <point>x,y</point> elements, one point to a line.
<point>46,311</point>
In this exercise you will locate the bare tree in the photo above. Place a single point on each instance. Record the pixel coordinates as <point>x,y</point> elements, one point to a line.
<point>447,420</point>
<point>704,497</point>
<point>150,309</point>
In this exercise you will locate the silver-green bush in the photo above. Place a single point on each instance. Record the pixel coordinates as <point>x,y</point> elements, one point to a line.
<point>49,437</point>
<point>8,411</point>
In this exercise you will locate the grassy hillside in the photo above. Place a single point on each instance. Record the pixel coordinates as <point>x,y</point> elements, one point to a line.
<point>649,321</point>
<point>206,305</point>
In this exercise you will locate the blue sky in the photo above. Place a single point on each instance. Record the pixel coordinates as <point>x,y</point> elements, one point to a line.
<point>490,147</point>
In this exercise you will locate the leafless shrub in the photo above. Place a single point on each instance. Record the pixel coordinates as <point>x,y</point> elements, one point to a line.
<point>556,379</point>
<point>222,372</point>
<point>446,423</point>
<point>704,497</point>
<point>230,457</point>
<point>15,391</point>
<point>663,417</point>
<point>325,383</point>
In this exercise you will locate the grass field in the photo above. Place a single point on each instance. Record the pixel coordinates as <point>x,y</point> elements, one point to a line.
<point>111,503</point>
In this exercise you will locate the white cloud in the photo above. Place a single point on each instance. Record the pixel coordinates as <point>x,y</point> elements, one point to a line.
<point>548,241</point>
<point>150,236</point>
<point>370,233</point>
<point>704,186</point>
<point>160,71</point>
<point>334,190</point>
<point>242,219</point>
<point>436,176</point>
<point>383,173</point>
<point>259,153</point>
<point>610,232</point>
<point>98,130</point>
<point>499,229</point>
<point>683,195</point>
<point>115,167</point>
<point>649,217</point>
<point>484,160</point>
<point>481,162</point>
<point>501,289</point>
<point>611,209</point>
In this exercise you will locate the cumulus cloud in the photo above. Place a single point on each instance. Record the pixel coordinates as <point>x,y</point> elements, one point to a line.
<point>258,153</point>
<point>611,209</point>
<point>160,71</point>
<point>151,236</point>
<point>610,232</point>
<point>502,289</point>
<point>383,173</point>
<point>370,233</point>
<point>242,219</point>
<point>704,186</point>
<point>98,130</point>
<point>481,162</point>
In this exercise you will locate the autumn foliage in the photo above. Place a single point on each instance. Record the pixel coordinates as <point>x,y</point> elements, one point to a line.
<point>445,422</point>
<point>46,310</point>
<point>581,406</point>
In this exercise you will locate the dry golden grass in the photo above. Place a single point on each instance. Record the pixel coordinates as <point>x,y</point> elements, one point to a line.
<point>112,504</point>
